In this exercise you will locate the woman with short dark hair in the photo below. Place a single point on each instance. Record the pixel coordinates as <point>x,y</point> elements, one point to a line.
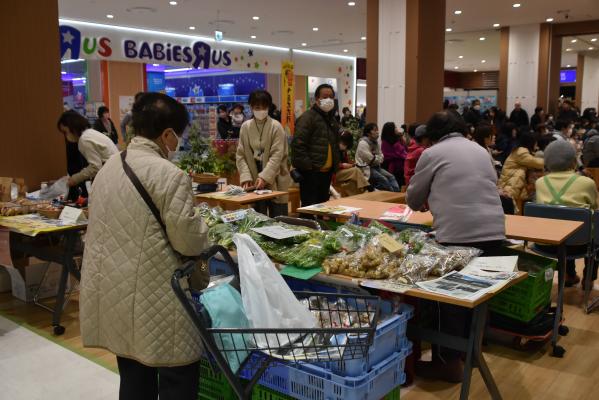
<point>369,158</point>
<point>105,125</point>
<point>349,177</point>
<point>134,243</point>
<point>94,146</point>
<point>394,150</point>
<point>262,154</point>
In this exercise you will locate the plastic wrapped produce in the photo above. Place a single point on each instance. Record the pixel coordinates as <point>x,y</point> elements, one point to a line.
<point>414,268</point>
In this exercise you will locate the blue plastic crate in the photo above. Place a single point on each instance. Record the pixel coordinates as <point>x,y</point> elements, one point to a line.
<point>389,338</point>
<point>311,382</point>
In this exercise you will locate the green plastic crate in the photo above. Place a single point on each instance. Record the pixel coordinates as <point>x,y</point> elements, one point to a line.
<point>214,386</point>
<point>526,299</point>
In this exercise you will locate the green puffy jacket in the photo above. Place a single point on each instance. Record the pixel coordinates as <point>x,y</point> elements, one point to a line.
<point>314,132</point>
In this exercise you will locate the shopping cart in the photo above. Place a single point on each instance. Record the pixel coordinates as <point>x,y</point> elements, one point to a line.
<point>291,345</point>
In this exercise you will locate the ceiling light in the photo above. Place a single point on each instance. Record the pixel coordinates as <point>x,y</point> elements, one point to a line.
<point>63,73</point>
<point>591,48</point>
<point>448,29</point>
<point>304,44</point>
<point>516,5</point>
<point>364,38</point>
<point>193,28</point>
<point>460,56</point>
<point>573,40</point>
<point>594,39</point>
<point>155,65</point>
<point>568,66</point>
<point>475,70</point>
<point>172,3</point>
<point>253,36</point>
<point>568,49</point>
<point>496,25</point>
<point>255,18</point>
<point>345,50</point>
<point>483,61</point>
<point>315,29</point>
<point>482,38</point>
<point>109,16</point>
<point>351,3</point>
<point>549,20</point>
<point>456,67</point>
<point>457,12</point>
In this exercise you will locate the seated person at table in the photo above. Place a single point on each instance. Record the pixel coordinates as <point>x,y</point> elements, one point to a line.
<point>563,186</point>
<point>418,143</point>
<point>349,177</point>
<point>458,181</point>
<point>369,159</point>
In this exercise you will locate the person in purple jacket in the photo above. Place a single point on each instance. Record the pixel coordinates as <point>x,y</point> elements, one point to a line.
<point>395,150</point>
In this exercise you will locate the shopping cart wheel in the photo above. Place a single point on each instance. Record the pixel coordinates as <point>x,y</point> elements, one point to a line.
<point>58,330</point>
<point>558,351</point>
<point>563,330</point>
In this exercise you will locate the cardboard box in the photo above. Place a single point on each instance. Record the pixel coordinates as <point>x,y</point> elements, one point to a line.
<point>24,286</point>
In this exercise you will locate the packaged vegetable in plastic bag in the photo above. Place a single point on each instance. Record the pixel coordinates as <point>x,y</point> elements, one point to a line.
<point>57,189</point>
<point>455,258</point>
<point>267,300</point>
<point>414,268</point>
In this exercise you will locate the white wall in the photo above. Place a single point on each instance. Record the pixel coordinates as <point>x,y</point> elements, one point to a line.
<point>523,68</point>
<point>590,83</point>
<point>361,93</point>
<point>391,62</point>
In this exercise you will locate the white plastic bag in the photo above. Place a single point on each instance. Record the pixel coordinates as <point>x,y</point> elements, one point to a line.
<point>57,189</point>
<point>268,301</point>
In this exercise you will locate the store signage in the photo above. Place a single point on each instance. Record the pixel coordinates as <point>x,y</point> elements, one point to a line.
<point>288,106</point>
<point>198,55</point>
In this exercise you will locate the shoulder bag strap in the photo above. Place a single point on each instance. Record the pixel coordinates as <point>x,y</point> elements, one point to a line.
<point>142,191</point>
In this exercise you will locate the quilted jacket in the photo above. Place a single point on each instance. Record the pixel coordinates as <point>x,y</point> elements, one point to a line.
<point>513,180</point>
<point>127,305</point>
<point>315,131</point>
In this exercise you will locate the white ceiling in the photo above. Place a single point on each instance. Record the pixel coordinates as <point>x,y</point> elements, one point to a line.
<point>290,23</point>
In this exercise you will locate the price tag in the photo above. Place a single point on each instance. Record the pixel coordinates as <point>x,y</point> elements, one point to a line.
<point>392,245</point>
<point>234,216</point>
<point>72,216</point>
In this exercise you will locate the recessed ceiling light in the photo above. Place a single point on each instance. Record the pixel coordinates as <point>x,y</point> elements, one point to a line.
<point>594,39</point>
<point>482,38</point>
<point>155,65</point>
<point>591,48</point>
<point>363,38</point>
<point>573,40</point>
<point>345,50</point>
<point>549,20</point>
<point>304,44</point>
<point>193,28</point>
<point>172,3</point>
<point>496,25</point>
<point>456,67</point>
<point>568,66</point>
<point>460,56</point>
<point>448,29</point>
<point>109,16</point>
<point>568,49</point>
<point>255,18</point>
<point>351,3</point>
<point>516,5</point>
<point>475,70</point>
<point>315,29</point>
<point>457,12</point>
<point>483,61</point>
<point>253,36</point>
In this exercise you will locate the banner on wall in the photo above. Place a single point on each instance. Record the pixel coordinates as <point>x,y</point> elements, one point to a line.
<point>288,94</point>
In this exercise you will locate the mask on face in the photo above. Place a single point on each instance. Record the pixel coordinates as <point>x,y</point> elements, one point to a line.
<point>170,152</point>
<point>238,118</point>
<point>260,114</point>
<point>477,108</point>
<point>326,105</point>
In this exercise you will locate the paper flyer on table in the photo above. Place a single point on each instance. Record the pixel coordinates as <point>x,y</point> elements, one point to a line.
<point>460,286</point>
<point>323,208</point>
<point>493,268</point>
<point>278,232</point>
<point>387,285</point>
<point>399,213</point>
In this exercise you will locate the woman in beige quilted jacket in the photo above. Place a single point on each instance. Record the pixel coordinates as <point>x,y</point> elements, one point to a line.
<point>127,305</point>
<point>262,154</point>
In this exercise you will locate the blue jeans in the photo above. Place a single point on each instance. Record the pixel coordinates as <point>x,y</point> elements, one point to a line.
<point>382,179</point>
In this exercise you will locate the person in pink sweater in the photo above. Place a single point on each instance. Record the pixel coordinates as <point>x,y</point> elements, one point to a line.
<point>394,150</point>
<point>418,144</point>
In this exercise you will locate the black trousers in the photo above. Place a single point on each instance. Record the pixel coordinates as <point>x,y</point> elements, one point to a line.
<point>455,320</point>
<point>314,188</point>
<point>140,382</point>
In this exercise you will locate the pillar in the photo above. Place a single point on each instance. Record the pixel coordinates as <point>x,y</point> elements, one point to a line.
<point>590,83</point>
<point>94,81</point>
<point>504,45</point>
<point>544,62</point>
<point>406,46</point>
<point>580,83</point>
<point>32,148</point>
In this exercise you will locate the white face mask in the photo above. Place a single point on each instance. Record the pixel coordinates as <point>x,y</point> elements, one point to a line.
<point>172,153</point>
<point>326,105</point>
<point>260,114</point>
<point>476,108</point>
<point>238,117</point>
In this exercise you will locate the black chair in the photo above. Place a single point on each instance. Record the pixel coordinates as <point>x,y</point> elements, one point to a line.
<point>588,283</point>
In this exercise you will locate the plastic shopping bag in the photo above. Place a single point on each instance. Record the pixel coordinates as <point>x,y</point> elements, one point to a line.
<point>57,189</point>
<point>267,300</point>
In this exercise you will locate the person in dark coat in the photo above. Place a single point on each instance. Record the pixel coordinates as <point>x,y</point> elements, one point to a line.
<point>224,126</point>
<point>105,125</point>
<point>473,116</point>
<point>519,116</point>
<point>537,118</point>
<point>567,112</point>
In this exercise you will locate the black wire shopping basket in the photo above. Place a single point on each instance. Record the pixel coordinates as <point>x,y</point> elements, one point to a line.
<point>348,325</point>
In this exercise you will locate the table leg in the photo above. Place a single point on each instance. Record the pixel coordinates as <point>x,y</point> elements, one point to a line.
<point>68,267</point>
<point>558,351</point>
<point>474,356</point>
